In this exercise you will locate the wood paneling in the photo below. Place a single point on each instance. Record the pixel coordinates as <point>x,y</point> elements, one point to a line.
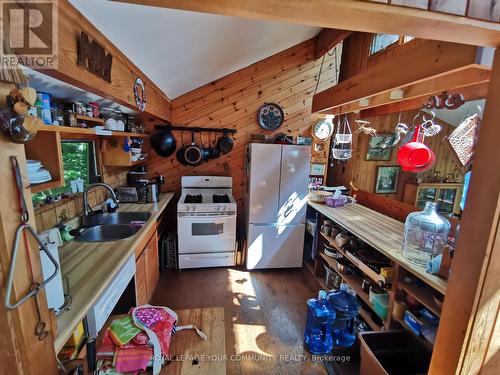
<point>365,171</point>
<point>287,78</point>
<point>430,59</point>
<point>123,71</point>
<point>371,17</point>
<point>470,310</point>
<point>327,39</point>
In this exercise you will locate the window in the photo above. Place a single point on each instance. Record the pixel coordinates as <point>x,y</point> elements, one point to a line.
<point>382,41</point>
<point>79,161</point>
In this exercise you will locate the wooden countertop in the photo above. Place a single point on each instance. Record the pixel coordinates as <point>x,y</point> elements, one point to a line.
<point>91,266</point>
<point>381,232</point>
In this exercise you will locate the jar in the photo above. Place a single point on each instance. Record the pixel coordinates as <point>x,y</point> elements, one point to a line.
<point>95,109</point>
<point>69,118</point>
<point>326,228</point>
<point>79,108</point>
<point>425,235</point>
<point>89,110</point>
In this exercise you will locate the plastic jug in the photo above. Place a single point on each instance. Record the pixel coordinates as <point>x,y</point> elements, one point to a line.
<point>317,334</point>
<point>346,307</point>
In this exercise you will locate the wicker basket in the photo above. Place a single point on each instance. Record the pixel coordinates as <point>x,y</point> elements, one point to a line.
<point>319,196</point>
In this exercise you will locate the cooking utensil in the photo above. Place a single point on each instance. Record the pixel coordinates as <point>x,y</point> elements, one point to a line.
<point>214,150</point>
<point>225,144</point>
<point>415,156</point>
<point>164,143</point>
<point>205,151</point>
<point>180,152</point>
<point>193,153</point>
<point>152,194</point>
<point>341,239</point>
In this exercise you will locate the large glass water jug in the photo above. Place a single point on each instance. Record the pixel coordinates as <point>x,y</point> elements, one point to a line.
<point>425,235</point>
<point>317,334</point>
<point>346,308</point>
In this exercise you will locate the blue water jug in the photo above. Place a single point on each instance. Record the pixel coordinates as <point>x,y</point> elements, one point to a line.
<point>317,334</point>
<point>346,308</point>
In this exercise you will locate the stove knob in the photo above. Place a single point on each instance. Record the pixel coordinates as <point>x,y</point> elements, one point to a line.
<point>217,208</point>
<point>193,208</point>
<point>223,208</point>
<point>186,208</point>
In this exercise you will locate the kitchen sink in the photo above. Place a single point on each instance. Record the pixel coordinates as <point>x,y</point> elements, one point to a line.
<point>126,217</point>
<point>106,232</point>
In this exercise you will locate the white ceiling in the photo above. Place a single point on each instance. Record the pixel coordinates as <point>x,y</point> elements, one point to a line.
<point>182,50</point>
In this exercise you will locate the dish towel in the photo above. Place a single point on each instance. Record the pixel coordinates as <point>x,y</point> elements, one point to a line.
<point>159,323</point>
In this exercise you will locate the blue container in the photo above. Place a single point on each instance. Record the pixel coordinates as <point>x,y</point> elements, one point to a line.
<point>45,113</point>
<point>346,308</point>
<point>317,334</point>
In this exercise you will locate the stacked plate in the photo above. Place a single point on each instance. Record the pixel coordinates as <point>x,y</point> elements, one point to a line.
<point>37,174</point>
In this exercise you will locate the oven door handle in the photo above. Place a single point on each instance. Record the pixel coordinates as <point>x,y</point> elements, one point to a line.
<point>206,215</point>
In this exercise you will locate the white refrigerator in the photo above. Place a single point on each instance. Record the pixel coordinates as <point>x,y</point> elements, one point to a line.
<point>276,200</point>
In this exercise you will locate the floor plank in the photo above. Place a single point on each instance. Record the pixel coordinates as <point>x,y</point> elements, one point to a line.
<point>264,314</point>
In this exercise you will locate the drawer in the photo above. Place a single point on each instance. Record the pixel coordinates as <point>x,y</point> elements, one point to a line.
<point>206,260</point>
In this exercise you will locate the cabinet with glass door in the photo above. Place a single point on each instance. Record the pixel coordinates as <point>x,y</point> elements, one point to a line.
<point>445,195</point>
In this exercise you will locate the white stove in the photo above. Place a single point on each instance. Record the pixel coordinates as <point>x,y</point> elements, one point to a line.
<point>206,222</point>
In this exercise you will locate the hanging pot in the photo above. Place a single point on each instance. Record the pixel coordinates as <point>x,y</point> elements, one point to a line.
<point>415,156</point>
<point>180,152</point>
<point>164,143</point>
<point>20,129</point>
<point>225,144</point>
<point>205,151</point>
<point>193,153</point>
<point>214,150</point>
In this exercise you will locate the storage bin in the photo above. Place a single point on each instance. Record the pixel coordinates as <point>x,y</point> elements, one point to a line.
<point>393,353</point>
<point>380,304</point>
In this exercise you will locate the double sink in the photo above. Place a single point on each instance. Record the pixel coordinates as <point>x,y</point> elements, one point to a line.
<point>116,226</point>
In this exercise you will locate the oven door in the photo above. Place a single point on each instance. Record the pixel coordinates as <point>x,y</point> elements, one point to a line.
<point>206,233</point>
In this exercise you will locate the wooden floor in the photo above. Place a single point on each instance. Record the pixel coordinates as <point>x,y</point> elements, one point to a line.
<point>264,314</point>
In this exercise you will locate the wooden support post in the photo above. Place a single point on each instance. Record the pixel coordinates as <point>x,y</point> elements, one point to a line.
<point>21,351</point>
<point>327,39</point>
<point>469,321</point>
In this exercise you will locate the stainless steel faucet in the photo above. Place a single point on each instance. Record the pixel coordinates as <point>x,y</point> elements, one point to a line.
<point>87,210</point>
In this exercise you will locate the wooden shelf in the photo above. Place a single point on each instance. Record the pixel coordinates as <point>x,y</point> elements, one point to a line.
<point>86,131</point>
<point>382,233</point>
<point>96,120</point>
<point>355,261</point>
<point>422,295</point>
<point>36,188</point>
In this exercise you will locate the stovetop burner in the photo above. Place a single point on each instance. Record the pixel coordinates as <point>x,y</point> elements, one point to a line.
<point>221,198</point>
<point>193,198</point>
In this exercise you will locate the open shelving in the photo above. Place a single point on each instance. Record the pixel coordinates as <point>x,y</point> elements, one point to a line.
<point>422,295</point>
<point>86,131</point>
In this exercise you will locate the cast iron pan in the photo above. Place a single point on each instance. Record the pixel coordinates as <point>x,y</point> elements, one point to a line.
<point>193,153</point>
<point>180,152</point>
<point>163,143</point>
<point>225,144</point>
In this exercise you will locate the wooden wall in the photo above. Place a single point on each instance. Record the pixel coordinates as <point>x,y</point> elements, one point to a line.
<point>364,171</point>
<point>287,78</point>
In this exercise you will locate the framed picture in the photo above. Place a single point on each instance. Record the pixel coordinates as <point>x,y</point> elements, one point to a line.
<point>317,169</point>
<point>387,179</point>
<point>375,152</point>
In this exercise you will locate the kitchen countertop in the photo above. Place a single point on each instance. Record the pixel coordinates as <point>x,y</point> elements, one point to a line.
<point>383,233</point>
<point>91,266</point>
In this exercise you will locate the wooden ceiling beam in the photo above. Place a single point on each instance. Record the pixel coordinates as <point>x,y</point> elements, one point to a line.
<point>327,39</point>
<point>474,92</point>
<point>456,80</point>
<point>429,61</point>
<point>352,15</point>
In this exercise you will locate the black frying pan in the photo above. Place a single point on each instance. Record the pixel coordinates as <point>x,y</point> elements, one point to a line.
<point>225,144</point>
<point>180,152</point>
<point>193,154</point>
<point>163,143</point>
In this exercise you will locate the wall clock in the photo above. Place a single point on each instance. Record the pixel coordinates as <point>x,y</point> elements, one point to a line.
<point>270,116</point>
<point>322,129</point>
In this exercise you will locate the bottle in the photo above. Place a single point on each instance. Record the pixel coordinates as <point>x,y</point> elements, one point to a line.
<point>425,235</point>
<point>346,307</point>
<point>317,334</point>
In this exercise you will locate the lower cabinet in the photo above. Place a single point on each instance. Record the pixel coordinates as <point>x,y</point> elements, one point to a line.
<point>147,271</point>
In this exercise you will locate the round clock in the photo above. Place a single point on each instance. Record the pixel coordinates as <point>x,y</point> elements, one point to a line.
<point>322,129</point>
<point>270,116</point>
